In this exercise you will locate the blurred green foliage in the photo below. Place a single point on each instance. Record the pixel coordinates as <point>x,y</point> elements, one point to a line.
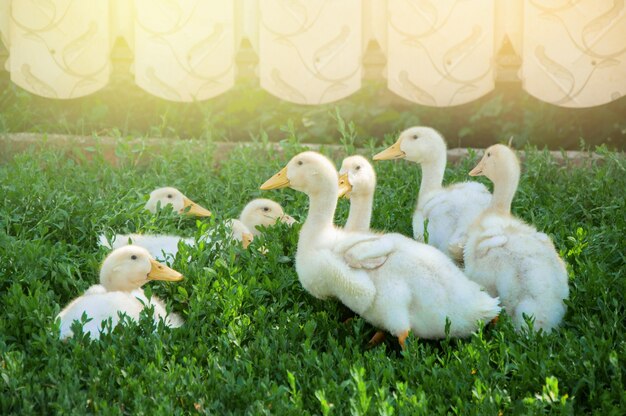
<point>122,108</point>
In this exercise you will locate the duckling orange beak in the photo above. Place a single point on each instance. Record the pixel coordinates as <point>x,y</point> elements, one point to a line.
<point>194,209</point>
<point>246,239</point>
<point>478,170</point>
<point>392,152</point>
<point>287,219</point>
<point>160,271</point>
<point>277,181</point>
<point>345,187</point>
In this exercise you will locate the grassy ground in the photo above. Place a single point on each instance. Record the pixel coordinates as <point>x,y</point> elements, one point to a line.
<point>254,342</point>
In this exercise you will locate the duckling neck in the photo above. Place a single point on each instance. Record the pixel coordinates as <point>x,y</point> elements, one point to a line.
<point>113,287</point>
<point>321,212</point>
<point>432,176</point>
<point>503,192</point>
<point>360,212</point>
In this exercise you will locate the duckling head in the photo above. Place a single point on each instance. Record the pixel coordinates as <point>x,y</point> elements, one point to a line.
<point>264,212</point>
<point>180,203</point>
<point>130,267</point>
<point>498,163</point>
<point>417,144</point>
<point>307,172</point>
<point>356,177</point>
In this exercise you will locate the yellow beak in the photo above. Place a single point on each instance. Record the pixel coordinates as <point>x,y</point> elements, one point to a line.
<point>277,181</point>
<point>194,209</point>
<point>287,219</point>
<point>345,187</point>
<point>160,271</point>
<point>246,239</point>
<point>478,170</point>
<point>393,152</point>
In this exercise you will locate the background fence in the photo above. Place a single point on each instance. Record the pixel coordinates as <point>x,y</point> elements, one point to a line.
<point>570,53</point>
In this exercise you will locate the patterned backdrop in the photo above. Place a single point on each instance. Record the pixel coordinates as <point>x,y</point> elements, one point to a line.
<point>571,53</point>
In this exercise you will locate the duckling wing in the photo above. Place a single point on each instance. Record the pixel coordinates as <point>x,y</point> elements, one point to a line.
<point>369,253</point>
<point>491,242</point>
<point>171,319</point>
<point>450,213</point>
<point>98,308</point>
<point>441,211</point>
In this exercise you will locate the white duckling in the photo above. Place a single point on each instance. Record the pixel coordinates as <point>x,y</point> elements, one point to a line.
<point>390,280</point>
<point>357,181</point>
<point>258,212</point>
<point>263,212</point>
<point>510,258</point>
<point>164,247</point>
<point>180,203</point>
<point>122,274</point>
<point>449,210</point>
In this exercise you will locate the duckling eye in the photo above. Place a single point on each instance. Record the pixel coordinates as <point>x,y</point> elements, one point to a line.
<point>358,167</point>
<point>488,154</point>
<point>133,257</point>
<point>266,209</point>
<point>415,136</point>
<point>169,196</point>
<point>299,163</point>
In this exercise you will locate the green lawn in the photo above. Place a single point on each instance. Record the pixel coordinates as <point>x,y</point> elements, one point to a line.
<point>254,341</point>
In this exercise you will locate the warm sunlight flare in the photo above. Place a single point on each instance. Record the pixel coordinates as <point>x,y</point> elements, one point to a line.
<point>436,53</point>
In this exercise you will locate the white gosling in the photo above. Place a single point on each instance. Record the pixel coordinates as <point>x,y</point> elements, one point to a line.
<point>263,212</point>
<point>258,212</point>
<point>390,280</point>
<point>164,247</point>
<point>180,203</point>
<point>357,181</point>
<point>122,274</point>
<point>449,210</point>
<point>510,258</point>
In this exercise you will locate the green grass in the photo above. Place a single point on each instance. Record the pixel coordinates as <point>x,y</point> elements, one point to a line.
<point>254,341</point>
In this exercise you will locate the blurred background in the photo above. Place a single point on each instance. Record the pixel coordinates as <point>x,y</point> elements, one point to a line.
<point>550,73</point>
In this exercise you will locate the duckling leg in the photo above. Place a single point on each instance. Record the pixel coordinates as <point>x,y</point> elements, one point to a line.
<point>402,337</point>
<point>378,337</point>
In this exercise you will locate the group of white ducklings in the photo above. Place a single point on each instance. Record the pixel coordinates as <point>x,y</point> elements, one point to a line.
<point>398,284</point>
<point>133,262</point>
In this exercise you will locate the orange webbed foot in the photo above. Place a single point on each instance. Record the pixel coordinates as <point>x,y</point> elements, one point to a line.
<point>378,337</point>
<point>402,338</point>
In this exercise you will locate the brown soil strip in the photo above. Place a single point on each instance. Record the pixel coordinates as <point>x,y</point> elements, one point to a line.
<point>83,148</point>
